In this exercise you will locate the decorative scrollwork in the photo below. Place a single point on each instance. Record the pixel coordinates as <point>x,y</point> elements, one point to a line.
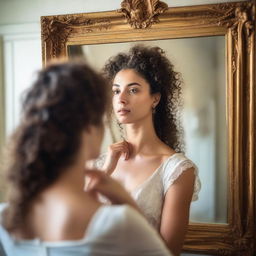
<point>242,243</point>
<point>239,18</point>
<point>142,13</point>
<point>225,252</point>
<point>58,29</point>
<point>238,14</point>
<point>56,32</point>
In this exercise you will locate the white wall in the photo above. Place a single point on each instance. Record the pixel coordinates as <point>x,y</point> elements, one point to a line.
<point>2,112</point>
<point>21,58</point>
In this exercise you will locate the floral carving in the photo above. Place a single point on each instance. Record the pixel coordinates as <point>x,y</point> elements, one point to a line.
<point>142,13</point>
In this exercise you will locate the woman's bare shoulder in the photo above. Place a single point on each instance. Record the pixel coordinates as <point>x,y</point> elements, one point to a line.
<point>62,217</point>
<point>79,212</point>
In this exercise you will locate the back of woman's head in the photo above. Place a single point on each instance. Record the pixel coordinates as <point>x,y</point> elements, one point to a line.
<point>65,99</point>
<point>152,64</point>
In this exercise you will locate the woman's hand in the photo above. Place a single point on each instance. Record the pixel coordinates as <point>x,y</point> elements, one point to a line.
<point>114,153</point>
<point>102,183</point>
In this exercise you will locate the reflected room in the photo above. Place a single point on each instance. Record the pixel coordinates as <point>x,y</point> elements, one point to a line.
<point>201,64</point>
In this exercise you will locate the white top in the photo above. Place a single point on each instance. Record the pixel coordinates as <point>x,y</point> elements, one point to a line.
<point>113,230</point>
<point>150,194</point>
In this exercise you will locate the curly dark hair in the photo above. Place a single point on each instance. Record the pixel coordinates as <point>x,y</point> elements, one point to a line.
<point>64,100</point>
<point>152,64</point>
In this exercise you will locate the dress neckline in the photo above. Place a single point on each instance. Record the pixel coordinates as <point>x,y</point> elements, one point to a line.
<point>143,184</point>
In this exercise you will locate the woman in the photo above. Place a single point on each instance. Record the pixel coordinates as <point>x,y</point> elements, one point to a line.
<point>146,98</point>
<point>48,212</point>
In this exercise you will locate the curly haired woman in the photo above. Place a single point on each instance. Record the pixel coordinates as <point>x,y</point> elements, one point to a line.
<point>150,162</point>
<point>48,211</point>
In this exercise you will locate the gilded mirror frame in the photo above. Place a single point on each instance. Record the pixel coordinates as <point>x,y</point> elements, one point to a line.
<point>153,20</point>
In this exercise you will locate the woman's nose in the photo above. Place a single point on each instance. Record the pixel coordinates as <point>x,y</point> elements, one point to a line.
<point>122,98</point>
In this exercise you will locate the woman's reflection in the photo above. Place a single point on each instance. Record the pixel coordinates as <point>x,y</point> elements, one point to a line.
<point>149,161</point>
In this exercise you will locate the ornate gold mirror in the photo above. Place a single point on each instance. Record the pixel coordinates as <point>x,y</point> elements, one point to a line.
<point>213,46</point>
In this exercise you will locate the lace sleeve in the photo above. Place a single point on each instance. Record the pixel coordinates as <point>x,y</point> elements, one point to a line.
<point>174,169</point>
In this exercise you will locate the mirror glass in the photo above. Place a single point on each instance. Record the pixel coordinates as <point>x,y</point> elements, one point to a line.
<point>201,62</point>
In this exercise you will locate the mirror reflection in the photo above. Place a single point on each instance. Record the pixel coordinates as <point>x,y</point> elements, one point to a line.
<point>201,62</point>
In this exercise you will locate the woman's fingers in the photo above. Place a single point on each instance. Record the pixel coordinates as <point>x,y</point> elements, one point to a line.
<point>95,174</point>
<point>110,188</point>
<point>114,153</point>
<point>100,183</point>
<point>121,148</point>
<point>92,179</point>
<point>100,180</point>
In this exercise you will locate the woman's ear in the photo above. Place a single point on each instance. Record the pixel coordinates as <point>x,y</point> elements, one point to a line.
<point>156,99</point>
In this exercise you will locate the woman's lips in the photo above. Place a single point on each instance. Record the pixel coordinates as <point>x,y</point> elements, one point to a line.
<point>123,112</point>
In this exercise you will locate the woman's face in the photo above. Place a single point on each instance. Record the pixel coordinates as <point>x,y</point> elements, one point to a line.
<point>132,101</point>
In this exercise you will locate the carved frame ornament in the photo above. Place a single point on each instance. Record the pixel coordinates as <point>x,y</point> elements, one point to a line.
<point>151,20</point>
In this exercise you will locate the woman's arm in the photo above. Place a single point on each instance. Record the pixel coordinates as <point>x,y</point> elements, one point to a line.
<point>175,214</point>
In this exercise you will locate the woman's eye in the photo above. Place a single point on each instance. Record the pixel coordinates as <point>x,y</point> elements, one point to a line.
<point>133,90</point>
<point>115,91</point>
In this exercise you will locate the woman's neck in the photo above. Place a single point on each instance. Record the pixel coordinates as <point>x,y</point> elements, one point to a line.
<point>73,176</point>
<point>142,137</point>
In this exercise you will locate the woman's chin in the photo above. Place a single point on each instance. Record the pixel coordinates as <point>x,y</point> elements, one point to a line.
<point>124,121</point>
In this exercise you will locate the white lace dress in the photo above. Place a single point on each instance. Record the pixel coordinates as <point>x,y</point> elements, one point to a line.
<point>150,194</point>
